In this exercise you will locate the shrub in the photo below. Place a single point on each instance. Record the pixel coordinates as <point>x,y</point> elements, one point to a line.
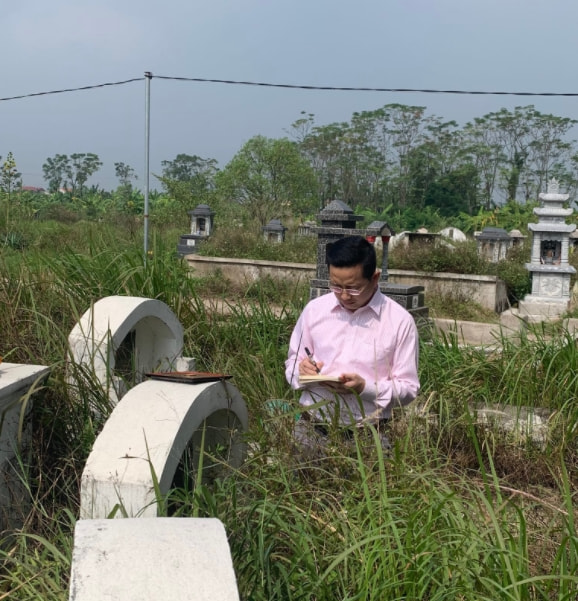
<point>460,257</point>
<point>13,240</point>
<point>240,243</point>
<point>512,270</point>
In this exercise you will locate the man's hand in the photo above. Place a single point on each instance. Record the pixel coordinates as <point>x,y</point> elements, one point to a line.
<point>308,368</point>
<point>354,382</point>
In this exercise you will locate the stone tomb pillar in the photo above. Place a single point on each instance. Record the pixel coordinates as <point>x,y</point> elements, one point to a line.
<point>337,221</point>
<point>549,266</point>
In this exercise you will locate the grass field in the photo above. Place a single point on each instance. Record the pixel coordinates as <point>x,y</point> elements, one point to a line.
<point>458,510</point>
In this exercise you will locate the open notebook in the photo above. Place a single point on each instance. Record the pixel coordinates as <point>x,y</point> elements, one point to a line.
<point>318,379</point>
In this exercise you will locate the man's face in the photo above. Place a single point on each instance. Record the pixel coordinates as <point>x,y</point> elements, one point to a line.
<point>351,278</point>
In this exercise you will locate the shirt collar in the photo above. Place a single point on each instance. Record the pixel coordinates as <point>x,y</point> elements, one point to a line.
<point>374,304</point>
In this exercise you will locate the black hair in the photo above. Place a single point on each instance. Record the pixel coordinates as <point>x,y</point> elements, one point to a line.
<point>351,251</point>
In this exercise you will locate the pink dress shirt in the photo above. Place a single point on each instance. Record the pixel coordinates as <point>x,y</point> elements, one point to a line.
<point>379,341</point>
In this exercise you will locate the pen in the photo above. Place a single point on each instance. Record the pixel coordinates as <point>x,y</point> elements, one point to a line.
<point>311,359</point>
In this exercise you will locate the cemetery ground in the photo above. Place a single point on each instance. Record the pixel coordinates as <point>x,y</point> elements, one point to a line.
<point>457,510</point>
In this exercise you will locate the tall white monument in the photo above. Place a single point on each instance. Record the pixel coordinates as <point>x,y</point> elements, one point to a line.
<point>549,265</point>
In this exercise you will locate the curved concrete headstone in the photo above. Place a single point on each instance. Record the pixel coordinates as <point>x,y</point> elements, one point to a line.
<point>148,430</point>
<point>152,560</point>
<point>145,330</point>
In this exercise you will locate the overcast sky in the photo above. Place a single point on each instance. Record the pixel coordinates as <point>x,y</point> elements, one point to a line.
<point>496,45</point>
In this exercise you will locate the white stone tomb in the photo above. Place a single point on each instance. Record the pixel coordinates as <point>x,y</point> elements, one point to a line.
<point>549,265</point>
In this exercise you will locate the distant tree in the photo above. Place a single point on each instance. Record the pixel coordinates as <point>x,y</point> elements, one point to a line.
<point>454,192</point>
<point>368,161</point>
<point>62,171</point>
<point>124,192</point>
<point>125,174</point>
<point>482,145</point>
<point>10,179</point>
<point>80,167</point>
<point>72,172</point>
<point>189,179</point>
<point>54,170</point>
<point>533,146</point>
<point>270,179</point>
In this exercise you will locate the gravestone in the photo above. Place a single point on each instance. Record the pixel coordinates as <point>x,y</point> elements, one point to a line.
<point>274,231</point>
<point>18,386</point>
<point>120,338</point>
<point>453,233</point>
<point>306,228</point>
<point>493,243</point>
<point>201,229</point>
<point>337,221</point>
<point>549,267</point>
<point>153,431</point>
<point>156,434</point>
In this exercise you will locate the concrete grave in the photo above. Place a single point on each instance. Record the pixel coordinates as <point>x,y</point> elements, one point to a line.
<point>493,243</point>
<point>150,560</point>
<point>201,229</point>
<point>122,337</point>
<point>274,231</point>
<point>18,384</point>
<point>148,432</point>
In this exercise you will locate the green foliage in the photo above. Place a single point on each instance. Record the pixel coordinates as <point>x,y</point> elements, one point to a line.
<point>454,192</point>
<point>62,171</point>
<point>10,178</point>
<point>511,215</point>
<point>459,509</point>
<point>13,240</point>
<point>460,257</point>
<point>463,257</point>
<point>411,219</point>
<point>512,270</point>
<point>459,306</point>
<point>189,180</point>
<point>239,243</point>
<point>270,179</point>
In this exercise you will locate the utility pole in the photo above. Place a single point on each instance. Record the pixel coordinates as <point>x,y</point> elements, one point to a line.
<point>148,77</point>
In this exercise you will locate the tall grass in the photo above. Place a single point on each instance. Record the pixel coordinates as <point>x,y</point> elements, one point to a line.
<point>455,511</point>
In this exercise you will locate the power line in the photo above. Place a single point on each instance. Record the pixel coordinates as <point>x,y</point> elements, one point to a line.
<point>297,87</point>
<point>100,85</point>
<point>361,89</point>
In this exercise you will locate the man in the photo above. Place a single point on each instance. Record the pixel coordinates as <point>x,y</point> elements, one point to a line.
<point>359,335</point>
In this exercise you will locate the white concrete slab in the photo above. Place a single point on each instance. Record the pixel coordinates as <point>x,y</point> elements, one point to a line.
<point>152,560</point>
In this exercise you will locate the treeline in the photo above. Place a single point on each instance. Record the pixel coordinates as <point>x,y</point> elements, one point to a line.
<point>396,163</point>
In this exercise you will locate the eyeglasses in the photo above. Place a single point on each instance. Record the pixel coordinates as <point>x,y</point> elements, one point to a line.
<point>350,291</point>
